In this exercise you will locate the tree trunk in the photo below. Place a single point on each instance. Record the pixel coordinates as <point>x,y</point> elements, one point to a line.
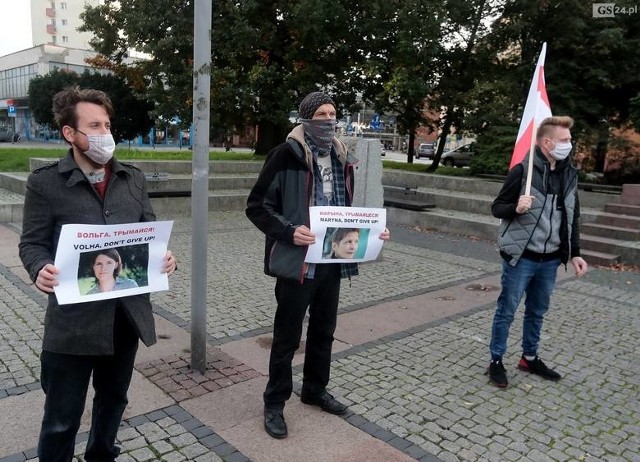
<point>442,140</point>
<point>410,147</point>
<point>269,136</point>
<point>602,147</point>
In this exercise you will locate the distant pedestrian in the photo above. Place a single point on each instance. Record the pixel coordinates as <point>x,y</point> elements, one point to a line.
<point>98,338</point>
<point>312,168</point>
<point>538,233</point>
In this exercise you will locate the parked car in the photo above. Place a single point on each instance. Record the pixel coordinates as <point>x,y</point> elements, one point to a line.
<point>458,157</point>
<point>426,150</point>
<point>6,134</point>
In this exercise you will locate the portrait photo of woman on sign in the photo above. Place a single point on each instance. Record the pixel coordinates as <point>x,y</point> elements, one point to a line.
<point>104,271</point>
<point>344,243</point>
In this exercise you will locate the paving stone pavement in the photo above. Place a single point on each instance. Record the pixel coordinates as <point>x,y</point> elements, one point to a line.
<point>421,390</point>
<point>170,435</point>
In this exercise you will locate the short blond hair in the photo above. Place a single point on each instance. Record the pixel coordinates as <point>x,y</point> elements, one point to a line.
<point>548,125</point>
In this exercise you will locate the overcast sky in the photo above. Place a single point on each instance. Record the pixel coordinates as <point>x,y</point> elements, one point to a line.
<point>15,29</point>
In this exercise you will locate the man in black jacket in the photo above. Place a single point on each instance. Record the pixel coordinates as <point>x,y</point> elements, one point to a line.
<point>311,168</point>
<point>538,232</point>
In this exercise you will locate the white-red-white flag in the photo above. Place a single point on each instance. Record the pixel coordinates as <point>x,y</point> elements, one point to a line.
<point>536,110</point>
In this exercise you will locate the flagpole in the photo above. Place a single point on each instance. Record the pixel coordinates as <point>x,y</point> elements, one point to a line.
<point>534,129</point>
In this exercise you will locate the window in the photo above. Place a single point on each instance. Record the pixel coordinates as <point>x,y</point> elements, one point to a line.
<point>65,39</point>
<point>14,83</point>
<point>63,5</point>
<point>64,22</point>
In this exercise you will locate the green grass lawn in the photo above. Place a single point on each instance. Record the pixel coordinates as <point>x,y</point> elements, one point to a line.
<point>17,159</point>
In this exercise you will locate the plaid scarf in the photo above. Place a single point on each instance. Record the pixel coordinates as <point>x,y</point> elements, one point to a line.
<point>338,198</point>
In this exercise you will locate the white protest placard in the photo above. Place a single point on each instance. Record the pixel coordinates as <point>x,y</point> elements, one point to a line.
<point>98,262</point>
<point>346,234</point>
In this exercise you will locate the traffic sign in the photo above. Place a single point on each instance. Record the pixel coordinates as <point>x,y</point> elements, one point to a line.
<point>11,111</point>
<point>9,102</point>
<point>375,122</point>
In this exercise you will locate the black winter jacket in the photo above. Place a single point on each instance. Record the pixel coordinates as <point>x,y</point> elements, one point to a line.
<point>280,200</point>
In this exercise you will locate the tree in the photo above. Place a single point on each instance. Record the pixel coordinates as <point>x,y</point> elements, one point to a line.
<point>266,55</point>
<point>460,62</point>
<point>398,43</point>
<point>590,70</point>
<point>131,112</point>
<point>151,45</point>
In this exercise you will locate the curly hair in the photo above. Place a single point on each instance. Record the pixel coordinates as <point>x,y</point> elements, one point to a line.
<point>65,102</point>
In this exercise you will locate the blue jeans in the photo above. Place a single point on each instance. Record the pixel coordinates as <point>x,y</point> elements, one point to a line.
<point>537,279</point>
<point>65,380</point>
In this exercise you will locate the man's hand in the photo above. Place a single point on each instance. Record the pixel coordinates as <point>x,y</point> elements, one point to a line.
<point>579,265</point>
<point>170,263</point>
<point>524,204</point>
<point>303,236</point>
<point>385,235</point>
<point>47,279</point>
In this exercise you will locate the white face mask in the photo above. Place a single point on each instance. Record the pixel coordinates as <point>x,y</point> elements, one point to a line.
<point>561,151</point>
<point>101,148</point>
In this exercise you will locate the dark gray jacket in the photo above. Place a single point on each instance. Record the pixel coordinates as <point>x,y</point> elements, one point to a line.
<point>551,227</point>
<point>60,194</point>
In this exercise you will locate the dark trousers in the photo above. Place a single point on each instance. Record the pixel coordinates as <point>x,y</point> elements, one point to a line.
<point>65,380</point>
<point>320,295</point>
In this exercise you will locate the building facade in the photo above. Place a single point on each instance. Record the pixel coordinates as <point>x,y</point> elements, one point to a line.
<point>18,69</point>
<point>57,44</point>
<point>55,22</point>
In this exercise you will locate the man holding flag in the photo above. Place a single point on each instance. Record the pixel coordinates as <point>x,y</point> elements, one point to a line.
<point>539,208</point>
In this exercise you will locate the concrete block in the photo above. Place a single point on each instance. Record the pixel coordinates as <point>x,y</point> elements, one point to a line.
<point>630,194</point>
<point>368,191</point>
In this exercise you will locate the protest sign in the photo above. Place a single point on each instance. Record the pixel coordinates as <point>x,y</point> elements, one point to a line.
<point>98,262</point>
<point>345,234</point>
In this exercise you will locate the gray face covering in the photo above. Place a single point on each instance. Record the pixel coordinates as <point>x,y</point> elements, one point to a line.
<point>321,132</point>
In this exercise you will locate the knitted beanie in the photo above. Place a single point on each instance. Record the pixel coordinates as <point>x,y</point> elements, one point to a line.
<point>312,102</point>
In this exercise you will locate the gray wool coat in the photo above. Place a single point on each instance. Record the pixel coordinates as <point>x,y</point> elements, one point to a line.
<point>60,194</point>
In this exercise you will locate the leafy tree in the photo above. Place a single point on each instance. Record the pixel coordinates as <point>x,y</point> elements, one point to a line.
<point>466,24</point>
<point>590,69</point>
<point>161,33</point>
<point>399,45</point>
<point>131,112</point>
<point>266,55</point>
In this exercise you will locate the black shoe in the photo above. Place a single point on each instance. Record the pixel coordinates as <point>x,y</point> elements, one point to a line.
<point>497,374</point>
<point>536,366</point>
<point>327,403</point>
<point>274,423</point>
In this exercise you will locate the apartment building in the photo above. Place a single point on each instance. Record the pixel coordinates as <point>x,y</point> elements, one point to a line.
<point>56,45</point>
<point>55,22</point>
